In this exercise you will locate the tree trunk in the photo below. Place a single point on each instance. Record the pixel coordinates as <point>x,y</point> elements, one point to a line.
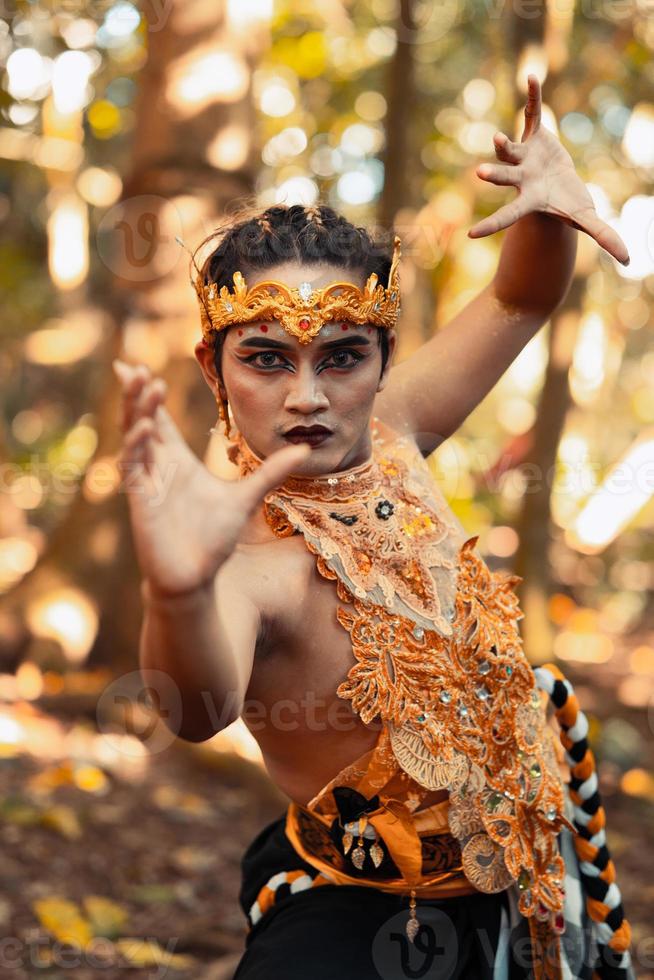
<point>399,93</point>
<point>171,189</point>
<point>534,522</point>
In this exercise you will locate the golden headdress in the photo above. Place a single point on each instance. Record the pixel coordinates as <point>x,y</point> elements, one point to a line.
<point>301,310</point>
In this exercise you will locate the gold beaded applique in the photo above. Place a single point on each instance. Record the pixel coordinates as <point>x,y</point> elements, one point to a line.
<point>438,658</point>
<point>478,728</point>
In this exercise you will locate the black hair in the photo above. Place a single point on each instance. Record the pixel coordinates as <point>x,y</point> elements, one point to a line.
<point>255,239</point>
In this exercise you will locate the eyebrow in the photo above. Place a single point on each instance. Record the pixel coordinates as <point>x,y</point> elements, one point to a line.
<point>355,339</point>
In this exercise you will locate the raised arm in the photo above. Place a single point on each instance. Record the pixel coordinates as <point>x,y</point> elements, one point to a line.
<point>431,393</point>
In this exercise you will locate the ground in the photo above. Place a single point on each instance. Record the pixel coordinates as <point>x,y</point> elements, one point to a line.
<point>145,850</point>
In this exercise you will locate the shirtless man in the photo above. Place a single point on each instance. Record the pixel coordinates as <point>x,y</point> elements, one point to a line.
<point>237,617</point>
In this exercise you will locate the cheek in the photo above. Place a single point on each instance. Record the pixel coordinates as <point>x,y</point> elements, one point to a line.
<point>246,389</point>
<point>359,385</point>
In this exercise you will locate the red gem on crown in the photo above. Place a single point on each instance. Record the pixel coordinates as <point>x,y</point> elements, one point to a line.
<point>304,324</point>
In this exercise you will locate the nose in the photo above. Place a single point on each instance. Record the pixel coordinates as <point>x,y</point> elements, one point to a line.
<point>305,392</point>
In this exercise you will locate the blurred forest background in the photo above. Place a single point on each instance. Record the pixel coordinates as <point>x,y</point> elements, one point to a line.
<point>123,127</point>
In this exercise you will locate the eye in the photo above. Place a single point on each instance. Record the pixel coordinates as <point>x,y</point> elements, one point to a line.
<point>339,358</point>
<point>347,351</point>
<point>265,353</point>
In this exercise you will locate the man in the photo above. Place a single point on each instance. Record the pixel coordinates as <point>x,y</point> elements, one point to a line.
<point>423,770</point>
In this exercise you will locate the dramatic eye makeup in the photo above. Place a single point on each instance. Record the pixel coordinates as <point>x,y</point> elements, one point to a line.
<point>253,358</point>
<point>334,349</point>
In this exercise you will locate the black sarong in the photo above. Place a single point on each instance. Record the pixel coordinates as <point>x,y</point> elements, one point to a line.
<point>357,932</point>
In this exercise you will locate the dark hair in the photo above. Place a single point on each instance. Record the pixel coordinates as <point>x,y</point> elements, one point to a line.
<point>256,239</point>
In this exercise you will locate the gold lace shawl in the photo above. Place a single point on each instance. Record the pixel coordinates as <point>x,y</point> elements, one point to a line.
<point>438,657</point>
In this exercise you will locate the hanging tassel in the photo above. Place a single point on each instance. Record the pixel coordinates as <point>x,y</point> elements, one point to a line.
<point>359,854</point>
<point>413,925</point>
<point>376,852</point>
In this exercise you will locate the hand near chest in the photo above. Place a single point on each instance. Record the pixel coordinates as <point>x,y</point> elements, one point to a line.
<point>185,521</point>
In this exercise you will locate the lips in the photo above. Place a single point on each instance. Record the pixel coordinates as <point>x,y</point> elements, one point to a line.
<point>314,435</point>
<point>311,430</point>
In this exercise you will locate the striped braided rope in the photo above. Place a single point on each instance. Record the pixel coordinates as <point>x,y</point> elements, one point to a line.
<point>281,885</point>
<point>611,930</point>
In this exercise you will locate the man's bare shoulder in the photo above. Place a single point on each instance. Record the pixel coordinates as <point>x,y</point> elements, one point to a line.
<point>256,569</point>
<point>260,566</point>
<point>390,409</point>
<point>243,583</point>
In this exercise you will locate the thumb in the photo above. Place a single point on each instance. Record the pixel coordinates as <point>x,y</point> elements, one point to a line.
<point>166,425</point>
<point>274,470</point>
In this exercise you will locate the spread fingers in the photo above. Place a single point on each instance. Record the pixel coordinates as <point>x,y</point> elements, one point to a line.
<point>132,378</point>
<point>497,174</point>
<point>151,395</point>
<point>136,449</point>
<point>506,150</point>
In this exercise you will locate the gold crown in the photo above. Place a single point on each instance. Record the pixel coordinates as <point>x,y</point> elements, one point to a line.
<point>301,310</point>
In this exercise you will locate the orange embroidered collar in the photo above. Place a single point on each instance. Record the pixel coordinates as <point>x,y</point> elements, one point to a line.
<point>381,526</point>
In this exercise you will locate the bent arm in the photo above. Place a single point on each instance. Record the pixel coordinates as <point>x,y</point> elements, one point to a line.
<point>204,642</point>
<point>536,264</point>
<point>433,391</point>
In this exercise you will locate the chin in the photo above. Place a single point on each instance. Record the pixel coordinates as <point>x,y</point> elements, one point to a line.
<point>320,461</point>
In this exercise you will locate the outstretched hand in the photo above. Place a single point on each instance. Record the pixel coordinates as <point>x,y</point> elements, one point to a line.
<point>185,521</point>
<point>543,173</point>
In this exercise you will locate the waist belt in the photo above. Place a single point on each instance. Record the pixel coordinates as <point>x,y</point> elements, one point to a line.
<point>354,853</point>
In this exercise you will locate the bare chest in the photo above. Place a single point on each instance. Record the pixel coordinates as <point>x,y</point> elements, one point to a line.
<point>306,732</point>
